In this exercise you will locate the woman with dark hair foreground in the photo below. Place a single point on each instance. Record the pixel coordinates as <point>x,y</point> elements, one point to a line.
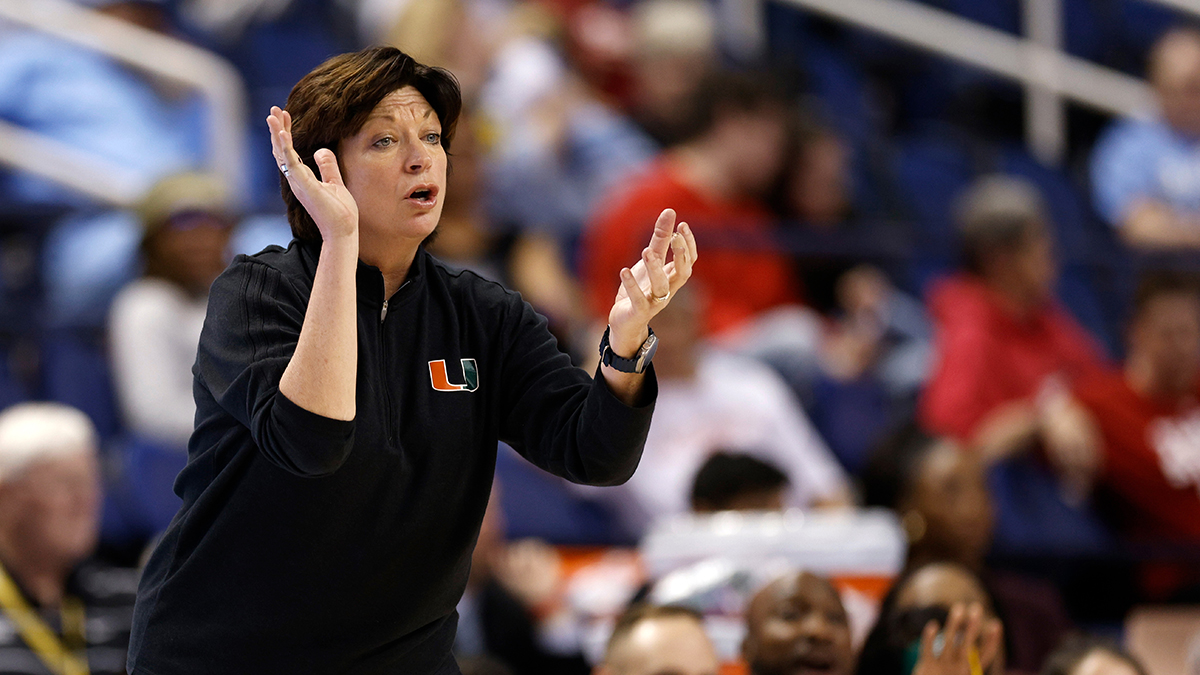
<point>1089,656</point>
<point>350,393</point>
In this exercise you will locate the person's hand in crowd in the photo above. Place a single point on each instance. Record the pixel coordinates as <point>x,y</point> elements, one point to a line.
<point>327,200</point>
<point>647,287</point>
<point>852,344</point>
<point>532,571</point>
<point>1072,443</point>
<point>969,644</point>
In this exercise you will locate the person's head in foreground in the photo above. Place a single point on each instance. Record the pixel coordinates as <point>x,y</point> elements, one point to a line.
<point>49,496</point>
<point>1089,656</point>
<point>659,640</point>
<point>186,222</point>
<point>797,625</point>
<point>939,492</point>
<point>387,122</point>
<point>928,600</point>
<point>739,128</point>
<point>1174,71</point>
<point>816,186</point>
<point>1004,230</point>
<point>674,47</point>
<point>1164,336</point>
<point>731,481</point>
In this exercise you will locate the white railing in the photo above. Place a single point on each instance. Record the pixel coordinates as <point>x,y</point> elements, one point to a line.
<point>214,78</point>
<point>1035,61</point>
<point>1189,6</point>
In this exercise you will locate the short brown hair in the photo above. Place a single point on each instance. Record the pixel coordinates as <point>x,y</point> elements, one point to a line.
<point>1077,648</point>
<point>638,613</point>
<point>1157,283</point>
<point>333,102</point>
<point>997,212</point>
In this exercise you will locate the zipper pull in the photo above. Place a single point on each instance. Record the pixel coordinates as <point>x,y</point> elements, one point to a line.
<point>383,312</point>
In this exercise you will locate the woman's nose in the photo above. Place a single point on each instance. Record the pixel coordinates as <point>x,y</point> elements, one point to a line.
<point>419,159</point>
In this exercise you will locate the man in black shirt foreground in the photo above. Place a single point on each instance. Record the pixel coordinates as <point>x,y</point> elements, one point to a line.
<point>350,392</point>
<point>57,613</point>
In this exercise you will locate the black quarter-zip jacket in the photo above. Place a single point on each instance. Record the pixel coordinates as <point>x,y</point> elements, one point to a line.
<point>312,545</point>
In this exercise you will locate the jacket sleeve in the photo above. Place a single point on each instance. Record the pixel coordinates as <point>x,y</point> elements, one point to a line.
<point>560,419</point>
<point>250,333</point>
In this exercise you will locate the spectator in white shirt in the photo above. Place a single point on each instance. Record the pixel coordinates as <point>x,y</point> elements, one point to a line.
<point>708,400</point>
<point>155,321</point>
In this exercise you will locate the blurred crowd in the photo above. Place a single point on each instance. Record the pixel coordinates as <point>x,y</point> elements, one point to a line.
<point>897,307</point>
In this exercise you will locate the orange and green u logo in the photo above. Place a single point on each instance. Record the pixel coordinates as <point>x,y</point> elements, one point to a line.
<point>441,381</point>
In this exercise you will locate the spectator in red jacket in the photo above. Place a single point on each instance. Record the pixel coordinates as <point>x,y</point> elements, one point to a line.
<point>1006,351</point>
<point>717,182</point>
<point>1149,414</point>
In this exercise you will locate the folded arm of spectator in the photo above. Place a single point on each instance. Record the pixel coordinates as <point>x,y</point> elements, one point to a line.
<point>1060,423</point>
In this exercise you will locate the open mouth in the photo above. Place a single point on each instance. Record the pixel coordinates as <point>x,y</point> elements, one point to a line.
<point>813,663</point>
<point>424,195</point>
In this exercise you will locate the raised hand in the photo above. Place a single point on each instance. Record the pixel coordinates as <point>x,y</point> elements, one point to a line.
<point>327,200</point>
<point>647,287</point>
<point>968,645</point>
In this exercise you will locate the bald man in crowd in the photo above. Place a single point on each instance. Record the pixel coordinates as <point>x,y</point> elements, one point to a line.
<point>1146,173</point>
<point>49,524</point>
<point>795,625</point>
<point>659,640</point>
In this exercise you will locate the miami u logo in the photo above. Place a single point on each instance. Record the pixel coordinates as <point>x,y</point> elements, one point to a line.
<point>441,381</point>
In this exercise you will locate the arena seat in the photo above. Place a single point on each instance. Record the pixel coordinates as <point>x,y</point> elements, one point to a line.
<point>931,171</point>
<point>75,371</point>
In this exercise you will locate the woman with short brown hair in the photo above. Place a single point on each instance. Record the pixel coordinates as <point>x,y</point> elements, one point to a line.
<point>350,393</point>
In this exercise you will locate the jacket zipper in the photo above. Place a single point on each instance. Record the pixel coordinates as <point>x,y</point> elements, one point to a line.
<point>389,412</point>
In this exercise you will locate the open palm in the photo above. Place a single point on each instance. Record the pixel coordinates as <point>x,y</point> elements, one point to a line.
<point>327,200</point>
<point>647,286</point>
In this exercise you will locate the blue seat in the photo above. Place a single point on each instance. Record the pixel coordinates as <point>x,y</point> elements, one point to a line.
<point>1138,24</point>
<point>931,171</point>
<point>1033,519</point>
<point>12,391</point>
<point>841,89</point>
<point>140,500</point>
<point>851,417</point>
<point>75,371</point>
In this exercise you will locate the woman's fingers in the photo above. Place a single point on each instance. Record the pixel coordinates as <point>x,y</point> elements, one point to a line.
<point>970,638</point>
<point>660,285</point>
<point>928,636</point>
<point>993,638</point>
<point>953,648</point>
<point>637,297</point>
<point>680,267</point>
<point>327,163</point>
<point>664,227</point>
<point>690,240</point>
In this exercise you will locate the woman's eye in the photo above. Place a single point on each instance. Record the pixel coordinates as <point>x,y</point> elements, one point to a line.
<point>384,142</point>
<point>432,138</point>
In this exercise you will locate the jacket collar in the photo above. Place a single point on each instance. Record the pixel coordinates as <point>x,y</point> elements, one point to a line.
<point>370,280</point>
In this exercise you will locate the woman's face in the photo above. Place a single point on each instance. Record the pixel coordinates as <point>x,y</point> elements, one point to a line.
<point>951,494</point>
<point>395,167</point>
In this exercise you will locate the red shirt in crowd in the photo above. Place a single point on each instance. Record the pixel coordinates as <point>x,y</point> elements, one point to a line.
<point>1152,455</point>
<point>737,284</point>
<point>986,356</point>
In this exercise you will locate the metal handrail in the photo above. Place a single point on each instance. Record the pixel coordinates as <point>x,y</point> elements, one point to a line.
<point>1039,67</point>
<point>1189,6</point>
<point>174,60</point>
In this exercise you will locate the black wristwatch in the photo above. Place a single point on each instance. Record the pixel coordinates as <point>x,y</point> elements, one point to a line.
<point>637,364</point>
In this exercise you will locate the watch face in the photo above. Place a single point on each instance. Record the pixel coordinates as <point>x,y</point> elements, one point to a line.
<point>647,352</point>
